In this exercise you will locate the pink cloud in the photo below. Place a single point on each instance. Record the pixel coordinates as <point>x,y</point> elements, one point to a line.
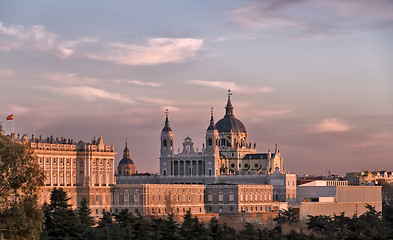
<point>315,18</point>
<point>90,94</point>
<point>69,78</point>
<point>232,86</point>
<point>154,51</point>
<point>331,125</point>
<point>15,37</point>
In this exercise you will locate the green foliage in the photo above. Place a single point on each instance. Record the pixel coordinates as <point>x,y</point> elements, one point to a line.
<point>61,222</point>
<point>106,221</point>
<point>22,220</point>
<point>20,179</point>
<point>287,216</point>
<point>370,225</point>
<point>20,174</point>
<point>84,214</point>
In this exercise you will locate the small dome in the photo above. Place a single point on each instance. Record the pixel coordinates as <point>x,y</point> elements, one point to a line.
<point>126,161</point>
<point>126,165</point>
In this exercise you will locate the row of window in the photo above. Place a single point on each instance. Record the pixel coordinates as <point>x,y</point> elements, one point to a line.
<point>243,197</point>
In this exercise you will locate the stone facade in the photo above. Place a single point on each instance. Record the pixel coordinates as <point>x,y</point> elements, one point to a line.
<point>234,198</point>
<point>83,170</point>
<point>158,199</point>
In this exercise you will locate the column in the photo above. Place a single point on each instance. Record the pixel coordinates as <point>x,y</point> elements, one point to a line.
<point>71,174</point>
<point>99,171</point>
<point>105,169</point>
<point>197,168</point>
<point>64,171</point>
<point>58,171</point>
<point>51,173</point>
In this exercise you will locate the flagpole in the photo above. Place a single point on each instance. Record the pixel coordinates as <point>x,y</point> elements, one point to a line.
<point>13,127</point>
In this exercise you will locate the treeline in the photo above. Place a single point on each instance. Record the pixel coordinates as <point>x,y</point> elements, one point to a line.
<point>61,222</point>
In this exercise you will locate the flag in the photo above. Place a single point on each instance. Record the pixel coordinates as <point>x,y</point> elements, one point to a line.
<point>10,117</point>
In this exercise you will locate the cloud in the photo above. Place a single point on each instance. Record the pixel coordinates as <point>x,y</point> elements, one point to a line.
<point>6,73</point>
<point>17,109</point>
<point>140,83</point>
<point>15,37</point>
<point>232,86</point>
<point>90,94</point>
<point>272,112</point>
<point>316,18</point>
<point>154,51</point>
<point>69,78</point>
<point>155,101</point>
<point>331,125</point>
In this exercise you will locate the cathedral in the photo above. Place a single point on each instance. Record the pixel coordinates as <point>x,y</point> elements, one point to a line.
<point>225,152</point>
<point>226,157</point>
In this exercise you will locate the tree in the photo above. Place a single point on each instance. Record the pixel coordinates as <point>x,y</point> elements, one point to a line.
<point>20,174</point>
<point>84,214</point>
<point>60,220</point>
<point>287,216</point>
<point>215,229</point>
<point>21,220</point>
<point>20,179</point>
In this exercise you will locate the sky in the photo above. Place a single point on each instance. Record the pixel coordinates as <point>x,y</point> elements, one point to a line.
<point>313,76</point>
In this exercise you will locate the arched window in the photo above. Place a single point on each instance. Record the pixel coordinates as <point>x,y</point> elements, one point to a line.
<point>164,143</point>
<point>210,142</point>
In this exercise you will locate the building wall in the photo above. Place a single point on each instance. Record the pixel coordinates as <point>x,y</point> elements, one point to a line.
<point>333,200</point>
<point>359,194</point>
<point>330,209</point>
<point>233,198</point>
<point>83,170</point>
<point>158,199</point>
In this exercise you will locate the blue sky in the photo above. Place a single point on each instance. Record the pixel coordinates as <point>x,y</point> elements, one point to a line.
<point>315,77</point>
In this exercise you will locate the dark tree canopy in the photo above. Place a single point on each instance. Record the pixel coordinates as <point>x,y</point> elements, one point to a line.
<point>20,179</point>
<point>20,173</point>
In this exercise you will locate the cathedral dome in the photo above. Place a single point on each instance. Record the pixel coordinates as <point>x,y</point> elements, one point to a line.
<point>229,123</point>
<point>126,165</point>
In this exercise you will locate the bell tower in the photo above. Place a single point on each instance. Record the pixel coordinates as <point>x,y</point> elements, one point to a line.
<point>166,147</point>
<point>212,151</point>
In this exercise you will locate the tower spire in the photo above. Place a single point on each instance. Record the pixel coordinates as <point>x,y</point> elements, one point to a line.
<point>166,128</point>
<point>229,107</point>
<point>126,152</point>
<point>212,126</point>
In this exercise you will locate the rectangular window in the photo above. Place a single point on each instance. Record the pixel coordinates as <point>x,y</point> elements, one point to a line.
<point>210,198</point>
<point>136,198</point>
<point>117,198</point>
<point>126,198</point>
<point>220,197</point>
<point>231,197</point>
